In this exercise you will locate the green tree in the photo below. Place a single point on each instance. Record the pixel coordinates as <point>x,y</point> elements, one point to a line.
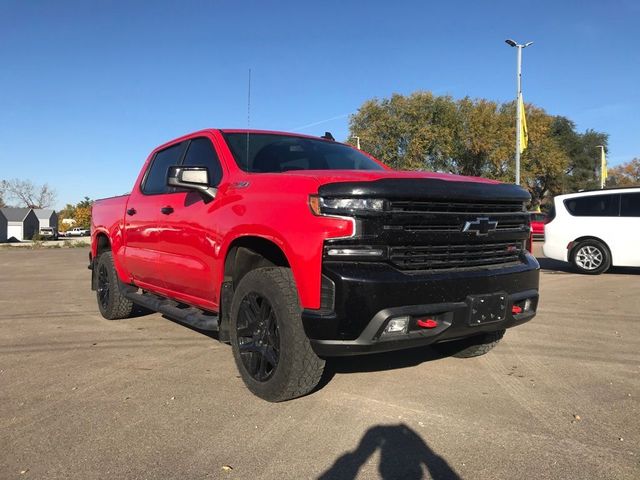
<point>476,137</point>
<point>80,212</point>
<point>545,161</point>
<point>410,133</point>
<point>627,174</point>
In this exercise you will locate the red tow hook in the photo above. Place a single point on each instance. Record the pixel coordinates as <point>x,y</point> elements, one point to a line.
<point>516,310</point>
<point>427,323</point>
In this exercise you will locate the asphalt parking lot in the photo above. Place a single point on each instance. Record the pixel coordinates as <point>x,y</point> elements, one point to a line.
<point>86,398</point>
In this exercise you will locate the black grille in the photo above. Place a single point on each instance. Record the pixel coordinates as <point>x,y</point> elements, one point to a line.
<point>429,234</point>
<point>455,222</point>
<point>442,206</point>
<point>456,256</point>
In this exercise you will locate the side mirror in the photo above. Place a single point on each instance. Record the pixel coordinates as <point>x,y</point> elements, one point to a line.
<point>192,178</point>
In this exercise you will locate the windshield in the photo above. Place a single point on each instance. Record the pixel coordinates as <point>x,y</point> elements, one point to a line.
<point>281,153</point>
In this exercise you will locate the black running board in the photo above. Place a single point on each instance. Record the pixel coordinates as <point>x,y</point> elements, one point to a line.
<point>177,311</point>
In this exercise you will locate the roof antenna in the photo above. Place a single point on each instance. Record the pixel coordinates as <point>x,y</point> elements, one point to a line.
<point>328,136</point>
<point>248,116</point>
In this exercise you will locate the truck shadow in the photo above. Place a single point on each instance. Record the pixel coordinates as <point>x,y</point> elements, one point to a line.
<point>403,455</point>
<point>377,362</point>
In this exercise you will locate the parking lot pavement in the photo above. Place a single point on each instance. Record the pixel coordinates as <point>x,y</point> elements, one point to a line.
<point>82,397</point>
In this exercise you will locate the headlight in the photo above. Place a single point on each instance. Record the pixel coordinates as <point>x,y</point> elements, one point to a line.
<point>322,205</point>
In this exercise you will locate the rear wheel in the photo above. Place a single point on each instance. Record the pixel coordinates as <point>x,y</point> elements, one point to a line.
<point>112,303</point>
<point>472,346</point>
<point>591,257</point>
<point>270,347</point>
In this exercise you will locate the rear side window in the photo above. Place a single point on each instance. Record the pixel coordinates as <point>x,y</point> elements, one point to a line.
<point>156,180</point>
<point>594,206</point>
<point>202,154</point>
<point>630,205</point>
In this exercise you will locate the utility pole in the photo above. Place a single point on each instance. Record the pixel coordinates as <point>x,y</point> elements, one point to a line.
<point>519,47</point>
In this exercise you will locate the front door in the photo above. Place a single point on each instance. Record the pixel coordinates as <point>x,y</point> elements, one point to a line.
<point>190,237</point>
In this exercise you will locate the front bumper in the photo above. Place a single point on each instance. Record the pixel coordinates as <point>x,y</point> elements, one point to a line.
<point>368,295</point>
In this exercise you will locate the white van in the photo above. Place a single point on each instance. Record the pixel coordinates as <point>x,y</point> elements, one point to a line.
<point>595,230</point>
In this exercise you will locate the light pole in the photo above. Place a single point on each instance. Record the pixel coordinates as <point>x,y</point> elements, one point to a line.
<point>512,43</point>
<point>357,141</point>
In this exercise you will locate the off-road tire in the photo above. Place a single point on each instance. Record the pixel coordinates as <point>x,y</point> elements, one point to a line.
<point>299,369</point>
<point>594,245</point>
<point>472,346</point>
<point>114,305</point>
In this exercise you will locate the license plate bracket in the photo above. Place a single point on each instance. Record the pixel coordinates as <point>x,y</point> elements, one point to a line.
<point>488,308</point>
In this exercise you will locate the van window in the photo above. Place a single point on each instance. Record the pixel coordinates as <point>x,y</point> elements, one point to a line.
<point>630,205</point>
<point>594,206</point>
<point>202,154</point>
<point>156,180</point>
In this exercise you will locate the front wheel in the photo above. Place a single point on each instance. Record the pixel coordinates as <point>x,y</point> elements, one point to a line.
<point>591,257</point>
<point>270,348</point>
<point>472,346</point>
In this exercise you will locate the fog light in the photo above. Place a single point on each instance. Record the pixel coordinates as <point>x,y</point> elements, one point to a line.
<point>397,325</point>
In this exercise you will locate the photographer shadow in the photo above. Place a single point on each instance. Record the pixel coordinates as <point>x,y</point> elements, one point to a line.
<point>403,455</point>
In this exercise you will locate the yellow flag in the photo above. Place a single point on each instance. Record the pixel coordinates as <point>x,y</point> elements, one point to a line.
<point>524,133</point>
<point>603,166</point>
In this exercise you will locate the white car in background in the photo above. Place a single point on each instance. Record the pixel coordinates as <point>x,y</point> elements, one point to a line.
<point>595,230</point>
<point>77,232</point>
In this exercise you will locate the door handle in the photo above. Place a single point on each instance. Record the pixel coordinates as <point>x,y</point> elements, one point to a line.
<point>131,211</point>
<point>167,210</point>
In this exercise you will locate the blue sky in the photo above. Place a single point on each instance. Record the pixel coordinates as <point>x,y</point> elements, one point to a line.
<point>87,89</point>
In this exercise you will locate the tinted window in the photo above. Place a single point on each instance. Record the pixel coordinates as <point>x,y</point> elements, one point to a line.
<point>630,205</point>
<point>593,206</point>
<point>156,181</point>
<point>260,152</point>
<point>202,154</point>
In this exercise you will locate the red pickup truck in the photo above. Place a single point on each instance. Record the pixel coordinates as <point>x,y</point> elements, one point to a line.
<point>296,248</point>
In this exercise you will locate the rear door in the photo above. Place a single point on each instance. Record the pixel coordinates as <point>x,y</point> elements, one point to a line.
<point>190,235</point>
<point>629,254</point>
<point>143,216</point>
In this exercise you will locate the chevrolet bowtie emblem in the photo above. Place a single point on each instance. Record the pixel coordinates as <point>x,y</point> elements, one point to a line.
<point>481,226</point>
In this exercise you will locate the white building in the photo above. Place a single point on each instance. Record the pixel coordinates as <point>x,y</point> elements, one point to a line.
<point>21,223</point>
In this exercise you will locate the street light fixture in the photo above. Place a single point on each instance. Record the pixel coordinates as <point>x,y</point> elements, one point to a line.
<point>513,43</point>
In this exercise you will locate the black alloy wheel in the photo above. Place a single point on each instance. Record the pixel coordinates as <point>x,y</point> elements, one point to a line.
<point>270,347</point>
<point>103,286</point>
<point>258,337</point>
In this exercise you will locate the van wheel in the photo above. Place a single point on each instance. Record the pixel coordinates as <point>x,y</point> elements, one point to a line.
<point>112,303</point>
<point>472,346</point>
<point>591,257</point>
<point>270,348</point>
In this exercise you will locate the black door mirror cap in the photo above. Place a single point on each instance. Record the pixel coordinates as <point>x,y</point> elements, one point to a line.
<point>192,178</point>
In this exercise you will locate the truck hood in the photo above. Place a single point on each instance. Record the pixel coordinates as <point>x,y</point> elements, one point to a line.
<point>411,185</point>
<point>393,184</point>
<point>332,176</point>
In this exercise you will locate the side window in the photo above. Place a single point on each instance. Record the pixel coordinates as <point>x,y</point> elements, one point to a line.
<point>202,154</point>
<point>630,205</point>
<point>594,206</point>
<point>156,180</point>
